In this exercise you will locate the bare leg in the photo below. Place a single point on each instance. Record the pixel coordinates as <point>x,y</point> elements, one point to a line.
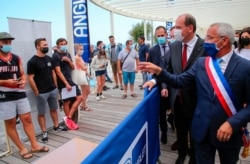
<point>54,116</point>
<point>85,93</point>
<point>12,133</point>
<point>41,121</point>
<point>102,82</point>
<point>29,130</point>
<point>83,88</point>
<point>125,88</point>
<point>75,105</point>
<point>131,88</point>
<point>66,107</point>
<point>99,84</point>
<point>120,78</point>
<point>115,78</point>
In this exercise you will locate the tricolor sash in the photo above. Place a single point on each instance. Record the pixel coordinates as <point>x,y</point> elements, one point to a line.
<point>225,96</point>
<point>221,86</point>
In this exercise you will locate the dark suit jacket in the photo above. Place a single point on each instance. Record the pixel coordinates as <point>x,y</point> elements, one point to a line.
<point>189,96</point>
<point>209,114</point>
<point>154,56</point>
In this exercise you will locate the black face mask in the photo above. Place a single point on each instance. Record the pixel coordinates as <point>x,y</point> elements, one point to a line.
<point>45,50</point>
<point>245,41</point>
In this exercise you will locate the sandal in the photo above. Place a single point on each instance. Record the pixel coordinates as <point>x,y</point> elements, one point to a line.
<point>124,96</point>
<point>86,108</point>
<point>43,149</point>
<point>134,95</point>
<point>26,155</point>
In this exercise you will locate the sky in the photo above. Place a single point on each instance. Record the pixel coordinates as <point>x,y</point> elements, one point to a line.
<point>53,11</point>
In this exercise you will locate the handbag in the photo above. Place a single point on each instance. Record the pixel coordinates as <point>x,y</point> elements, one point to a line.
<point>92,82</point>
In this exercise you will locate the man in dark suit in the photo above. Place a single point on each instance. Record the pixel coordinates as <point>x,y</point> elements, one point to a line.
<point>218,120</point>
<point>183,101</point>
<point>159,56</point>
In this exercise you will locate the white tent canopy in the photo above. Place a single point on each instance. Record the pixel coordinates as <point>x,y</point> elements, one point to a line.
<point>206,12</point>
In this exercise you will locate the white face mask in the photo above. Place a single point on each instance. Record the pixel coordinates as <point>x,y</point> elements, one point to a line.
<point>178,35</point>
<point>80,52</point>
<point>236,38</point>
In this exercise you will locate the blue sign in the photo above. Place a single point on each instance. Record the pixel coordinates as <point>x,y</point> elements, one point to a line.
<point>81,26</point>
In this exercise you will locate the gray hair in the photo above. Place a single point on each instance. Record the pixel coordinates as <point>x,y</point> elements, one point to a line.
<point>225,29</point>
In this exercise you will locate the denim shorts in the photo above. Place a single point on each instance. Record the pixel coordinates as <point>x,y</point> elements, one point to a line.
<point>50,98</point>
<point>100,73</point>
<point>128,77</point>
<point>10,109</point>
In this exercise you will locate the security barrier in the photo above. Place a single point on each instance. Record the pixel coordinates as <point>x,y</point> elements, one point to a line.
<point>135,139</point>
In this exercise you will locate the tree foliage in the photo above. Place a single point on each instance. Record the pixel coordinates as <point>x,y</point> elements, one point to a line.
<point>138,30</point>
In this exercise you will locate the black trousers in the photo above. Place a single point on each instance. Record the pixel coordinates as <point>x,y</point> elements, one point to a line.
<point>183,127</point>
<point>164,106</point>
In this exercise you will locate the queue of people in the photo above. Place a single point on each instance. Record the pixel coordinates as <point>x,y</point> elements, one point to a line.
<point>49,78</point>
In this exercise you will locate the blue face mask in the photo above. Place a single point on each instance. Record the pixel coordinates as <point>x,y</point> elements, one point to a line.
<point>161,40</point>
<point>211,49</point>
<point>103,47</point>
<point>131,46</point>
<point>6,48</point>
<point>64,48</point>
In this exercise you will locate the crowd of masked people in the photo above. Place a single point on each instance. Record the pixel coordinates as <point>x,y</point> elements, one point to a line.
<point>204,86</point>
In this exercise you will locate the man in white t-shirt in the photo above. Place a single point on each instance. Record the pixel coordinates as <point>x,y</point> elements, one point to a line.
<point>130,60</point>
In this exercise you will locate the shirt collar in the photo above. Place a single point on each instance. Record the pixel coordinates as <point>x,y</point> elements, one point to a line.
<point>192,42</point>
<point>227,57</point>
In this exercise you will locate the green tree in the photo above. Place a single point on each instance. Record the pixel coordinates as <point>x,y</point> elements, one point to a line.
<point>138,30</point>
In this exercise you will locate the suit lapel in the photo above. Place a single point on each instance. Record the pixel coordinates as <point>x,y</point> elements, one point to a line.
<point>234,61</point>
<point>195,53</point>
<point>176,54</point>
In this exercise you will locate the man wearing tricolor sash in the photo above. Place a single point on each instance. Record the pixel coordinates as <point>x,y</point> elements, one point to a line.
<point>223,87</point>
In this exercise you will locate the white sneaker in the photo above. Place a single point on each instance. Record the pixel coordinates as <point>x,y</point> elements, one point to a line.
<point>97,98</point>
<point>103,97</point>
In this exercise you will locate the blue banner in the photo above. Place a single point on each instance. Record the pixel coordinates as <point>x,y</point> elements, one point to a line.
<point>135,139</point>
<point>169,25</point>
<point>81,26</point>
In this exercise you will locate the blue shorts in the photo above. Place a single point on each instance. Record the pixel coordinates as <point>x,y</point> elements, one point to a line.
<point>100,73</point>
<point>128,77</point>
<point>49,98</point>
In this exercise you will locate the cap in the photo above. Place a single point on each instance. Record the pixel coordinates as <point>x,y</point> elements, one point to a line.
<point>5,36</point>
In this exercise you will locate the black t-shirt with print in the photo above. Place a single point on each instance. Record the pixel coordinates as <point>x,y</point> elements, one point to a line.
<point>42,68</point>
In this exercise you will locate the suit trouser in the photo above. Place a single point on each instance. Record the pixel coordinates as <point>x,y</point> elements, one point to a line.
<point>164,105</point>
<point>205,153</point>
<point>183,127</point>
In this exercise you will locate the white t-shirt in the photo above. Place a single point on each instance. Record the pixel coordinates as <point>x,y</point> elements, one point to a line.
<point>245,53</point>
